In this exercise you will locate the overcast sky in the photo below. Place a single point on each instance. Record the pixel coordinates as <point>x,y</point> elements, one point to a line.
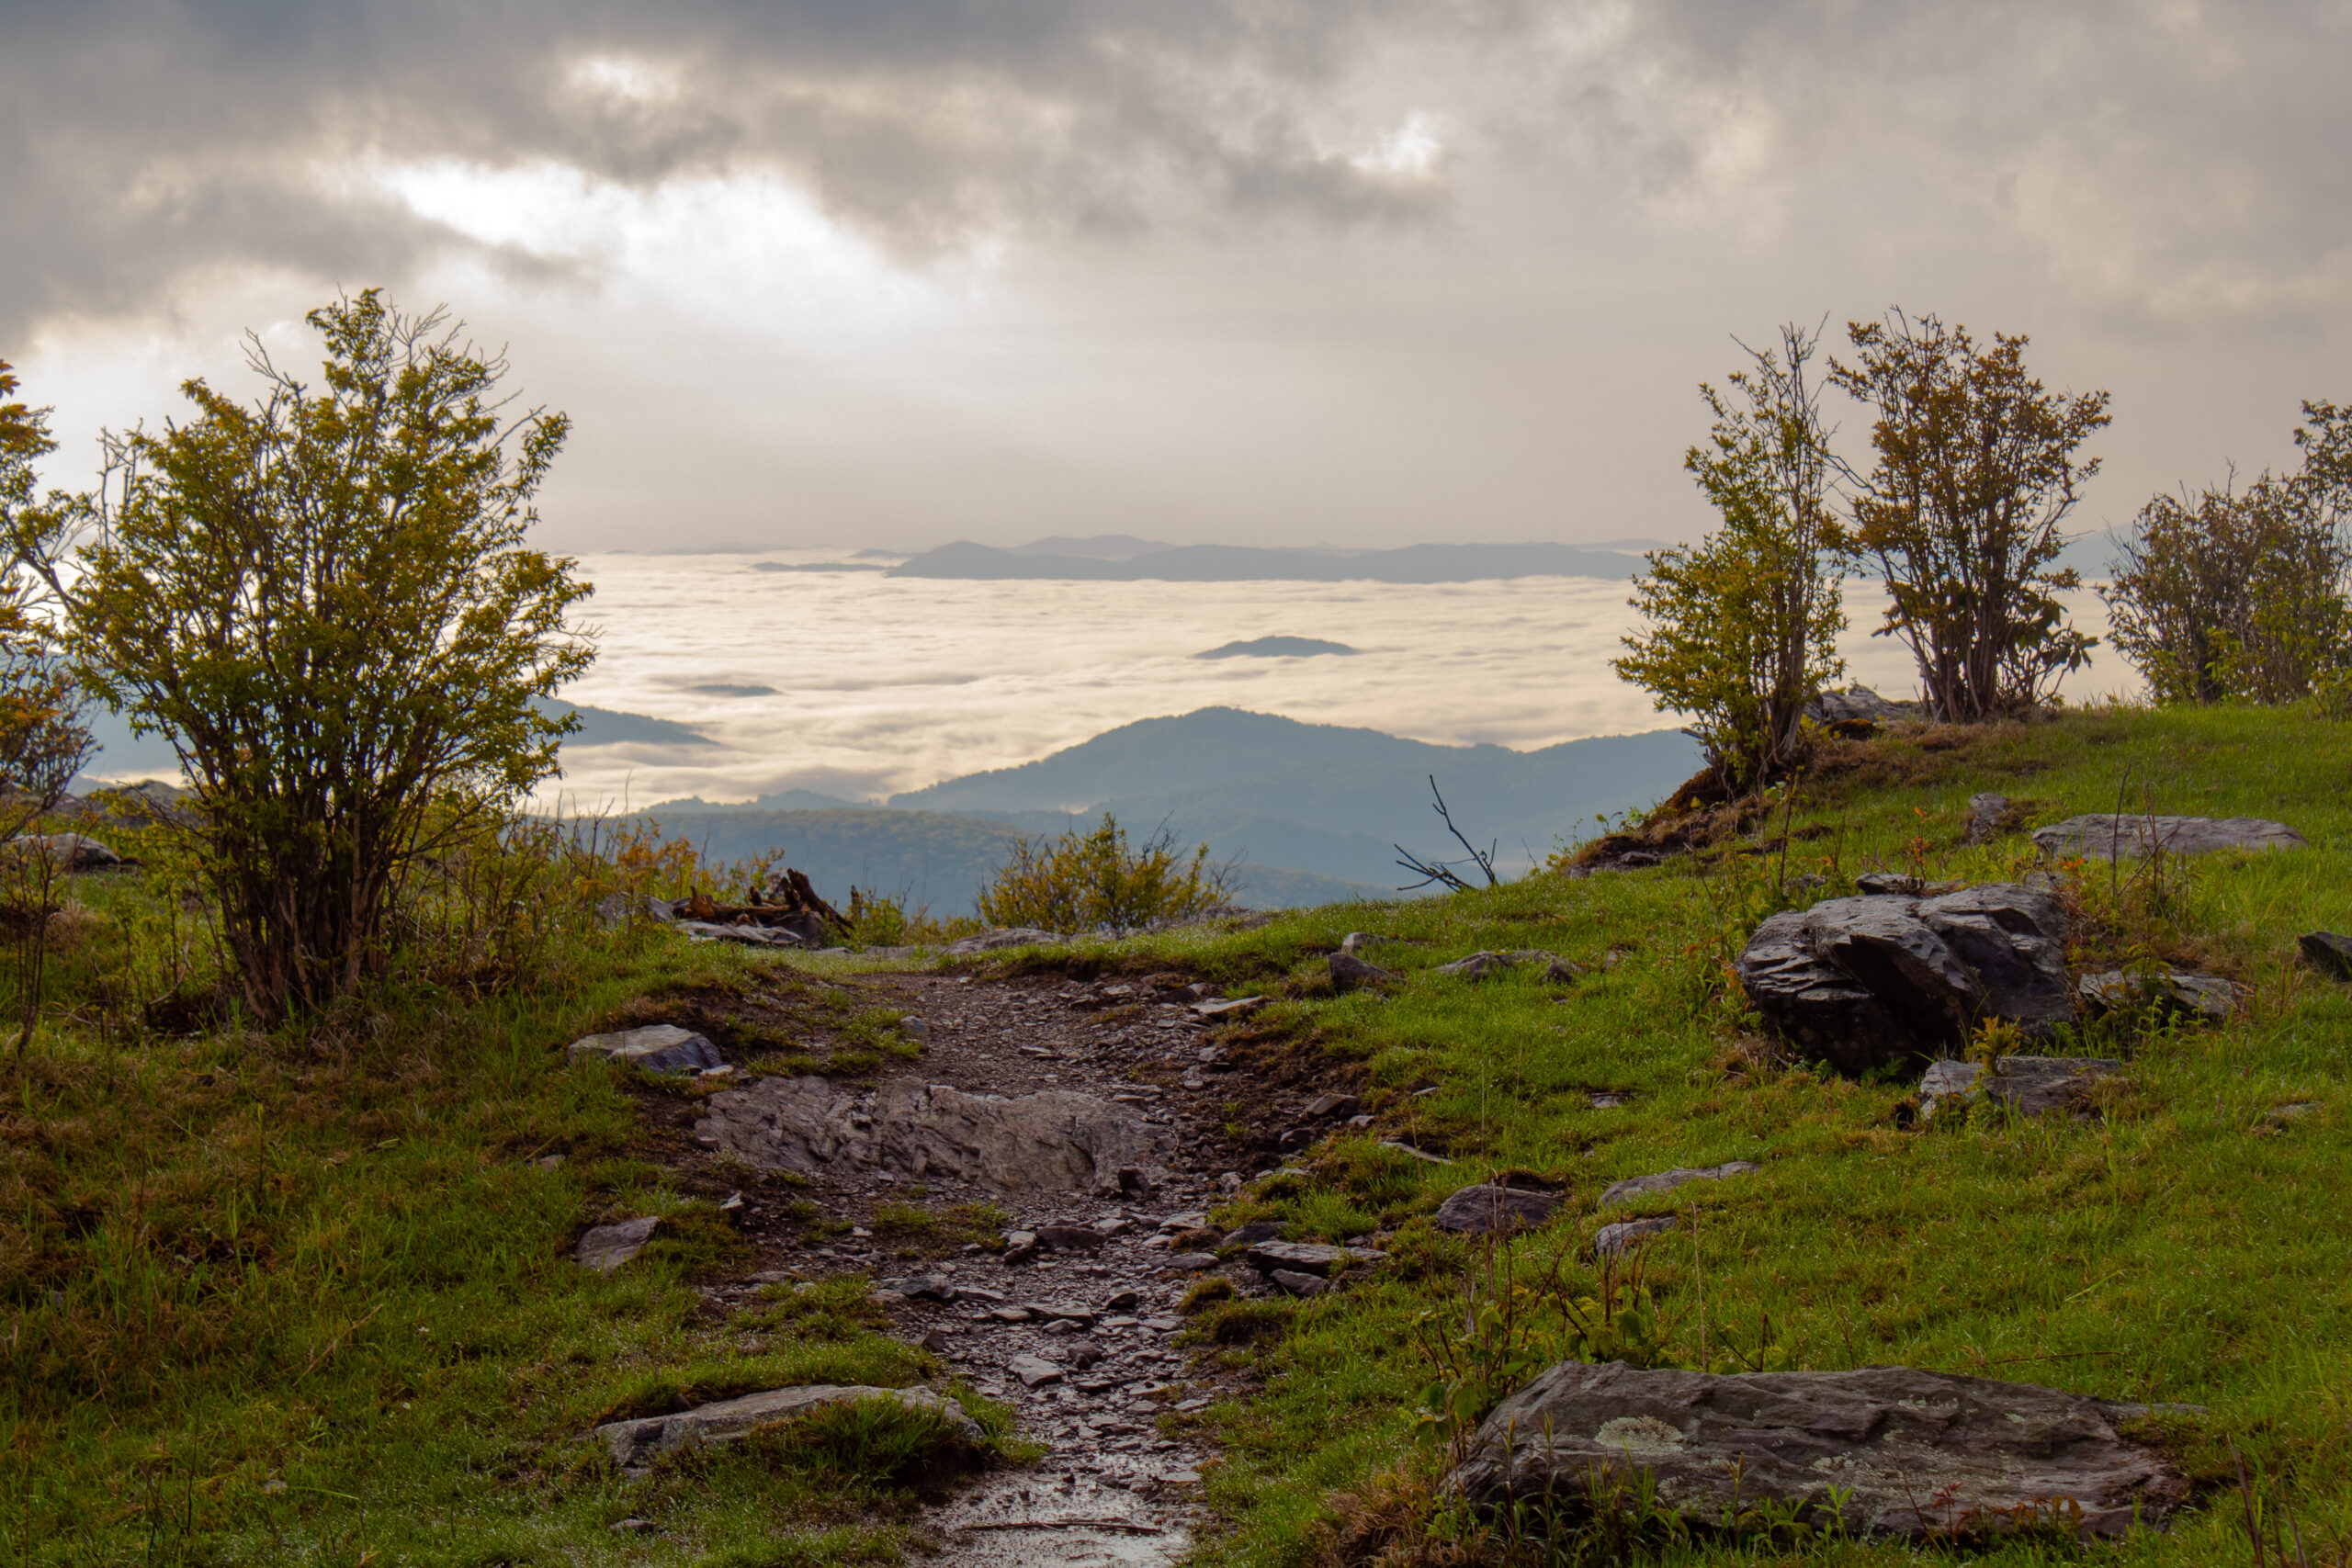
<point>894,272</point>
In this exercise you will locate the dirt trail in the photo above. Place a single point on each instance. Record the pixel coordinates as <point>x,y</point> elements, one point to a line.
<point>1077,1336</point>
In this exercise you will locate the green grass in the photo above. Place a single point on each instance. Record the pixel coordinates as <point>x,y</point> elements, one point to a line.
<point>306,1297</point>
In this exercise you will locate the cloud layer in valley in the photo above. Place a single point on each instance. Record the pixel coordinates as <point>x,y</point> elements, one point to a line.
<point>1276,272</point>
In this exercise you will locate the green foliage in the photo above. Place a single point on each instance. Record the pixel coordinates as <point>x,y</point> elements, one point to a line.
<point>871,1440</point>
<point>324,601</point>
<point>1742,627</point>
<point>1512,1336</point>
<point>2242,594</point>
<point>1962,515</point>
<point>1096,881</point>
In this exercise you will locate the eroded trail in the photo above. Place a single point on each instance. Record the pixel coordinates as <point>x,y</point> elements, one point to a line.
<point>1088,1115</point>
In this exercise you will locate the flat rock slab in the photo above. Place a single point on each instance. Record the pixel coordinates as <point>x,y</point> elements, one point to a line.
<point>1495,1211</point>
<point>2207,998</point>
<point>1034,1372</point>
<point>636,1444</point>
<point>2033,1086</point>
<point>1053,1141</point>
<point>2107,836</point>
<point>1215,1008</point>
<point>1005,937</point>
<point>1612,1241</point>
<point>1885,978</point>
<point>657,1048</point>
<point>606,1248</point>
<point>1307,1256</point>
<point>1668,1180</point>
<point>1991,817</point>
<point>744,936</point>
<point>1479,965</point>
<point>1916,1454</point>
<point>2327,953</point>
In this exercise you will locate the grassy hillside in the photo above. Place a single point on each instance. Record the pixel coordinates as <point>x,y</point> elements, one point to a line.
<point>305,1296</point>
<point>2189,1246</point>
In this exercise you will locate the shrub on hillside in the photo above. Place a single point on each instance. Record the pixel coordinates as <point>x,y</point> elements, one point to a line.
<point>2242,594</point>
<point>324,601</point>
<point>1742,627</point>
<point>1097,881</point>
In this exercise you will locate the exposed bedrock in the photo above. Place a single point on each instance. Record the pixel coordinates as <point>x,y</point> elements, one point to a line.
<point>1054,1140</point>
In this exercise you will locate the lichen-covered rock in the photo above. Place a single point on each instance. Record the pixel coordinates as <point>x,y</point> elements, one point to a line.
<point>1307,1256</point>
<point>2206,998</point>
<point>1913,1454</point>
<point>2107,836</point>
<point>1614,1241</point>
<point>606,1248</point>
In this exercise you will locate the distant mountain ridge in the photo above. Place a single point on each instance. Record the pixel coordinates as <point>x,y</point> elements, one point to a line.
<point>1246,563</point>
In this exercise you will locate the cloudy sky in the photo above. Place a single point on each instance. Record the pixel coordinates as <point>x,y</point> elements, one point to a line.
<point>892,272</point>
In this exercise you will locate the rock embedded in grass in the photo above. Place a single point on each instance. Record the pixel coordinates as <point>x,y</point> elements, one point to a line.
<point>1003,937</point>
<point>634,1445</point>
<point>2326,952</point>
<point>1488,1209</point>
<point>1612,1241</point>
<point>2175,993</point>
<point>2107,836</point>
<point>68,852</point>
<point>606,1248</point>
<point>2033,1086</point>
<point>1917,1455</point>
<point>656,1048</point>
<point>1991,817</point>
<point>1348,973</point>
<point>1661,1182</point>
<point>1307,1256</point>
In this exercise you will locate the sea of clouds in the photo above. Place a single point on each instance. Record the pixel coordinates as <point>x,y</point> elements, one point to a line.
<point>877,683</point>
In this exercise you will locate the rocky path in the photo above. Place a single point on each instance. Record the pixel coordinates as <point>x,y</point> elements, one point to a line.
<point>1102,1144</point>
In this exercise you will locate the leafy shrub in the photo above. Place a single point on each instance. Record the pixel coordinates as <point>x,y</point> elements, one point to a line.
<point>325,603</point>
<point>2241,594</point>
<point>1096,881</point>
<point>1741,627</point>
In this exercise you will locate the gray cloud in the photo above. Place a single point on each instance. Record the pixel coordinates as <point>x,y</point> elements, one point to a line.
<point>2169,154</point>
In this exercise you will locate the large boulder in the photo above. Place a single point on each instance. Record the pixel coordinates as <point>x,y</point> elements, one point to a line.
<point>1876,980</point>
<point>2107,836</point>
<point>1056,1140</point>
<point>1913,1454</point>
<point>634,1445</point>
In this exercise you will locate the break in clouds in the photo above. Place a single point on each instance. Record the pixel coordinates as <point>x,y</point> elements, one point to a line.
<point>2159,160</point>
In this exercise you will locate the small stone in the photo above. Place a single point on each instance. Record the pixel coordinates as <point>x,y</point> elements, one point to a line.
<point>1477,967</point>
<point>1034,1372</point>
<point>1359,1122</point>
<point>1202,1402</point>
<point>1255,1231</point>
<point>1122,1301</point>
<point>2287,1114</point>
<point>1063,1312</point>
<point>1350,973</point>
<point>273,1486</point>
<point>656,1048</point>
<point>1020,1246</point>
<point>936,1341</point>
<point>1422,1154</point>
<point>1229,1183</point>
<point>1005,937</point>
<point>2329,954</point>
<point>1299,1285</point>
<point>1333,1104</point>
<point>1611,1241</point>
<point>1070,1238</point>
<point>1064,1325</point>
<point>1222,1008</point>
<point>929,1287</point>
<point>1608,1100</point>
<point>1163,1324</point>
<point>549,1162</point>
<point>1668,1180</point>
<point>1494,1211</point>
<point>1190,1262</point>
<point>630,1527</point>
<point>606,1248</point>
